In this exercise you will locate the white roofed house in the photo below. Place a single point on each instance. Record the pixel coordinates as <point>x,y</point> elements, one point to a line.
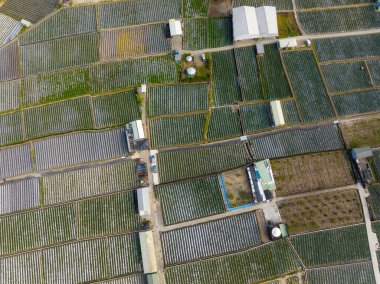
<point>277,114</point>
<point>253,23</point>
<point>143,200</point>
<point>175,28</point>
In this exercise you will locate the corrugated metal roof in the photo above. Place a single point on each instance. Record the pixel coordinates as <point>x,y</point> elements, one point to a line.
<point>9,28</point>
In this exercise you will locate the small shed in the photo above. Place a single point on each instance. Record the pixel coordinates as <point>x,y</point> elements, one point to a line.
<point>277,114</point>
<point>148,252</point>
<point>264,174</point>
<point>361,153</point>
<point>138,130</point>
<point>175,28</point>
<point>260,49</point>
<point>284,43</point>
<point>143,200</point>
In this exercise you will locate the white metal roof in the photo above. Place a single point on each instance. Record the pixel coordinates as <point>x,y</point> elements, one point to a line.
<point>148,252</point>
<point>287,42</point>
<point>175,27</point>
<point>277,113</point>
<point>143,200</point>
<point>267,21</point>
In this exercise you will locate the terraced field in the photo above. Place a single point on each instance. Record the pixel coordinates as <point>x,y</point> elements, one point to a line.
<point>174,165</point>
<point>190,200</point>
<point>352,238</point>
<point>90,181</point>
<point>311,96</point>
<point>357,103</point>
<point>255,117</point>
<point>175,99</point>
<point>116,109</point>
<point>274,259</point>
<point>211,238</point>
<point>224,124</point>
<point>180,130</point>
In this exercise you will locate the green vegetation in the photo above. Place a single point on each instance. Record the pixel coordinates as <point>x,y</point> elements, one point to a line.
<point>224,123</point>
<point>255,117</point>
<point>287,25</point>
<point>11,128</point>
<point>195,8</point>
<point>357,103</point>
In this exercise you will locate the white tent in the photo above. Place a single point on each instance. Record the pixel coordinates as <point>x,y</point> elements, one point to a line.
<point>251,22</point>
<point>175,27</point>
<point>143,200</point>
<point>278,116</point>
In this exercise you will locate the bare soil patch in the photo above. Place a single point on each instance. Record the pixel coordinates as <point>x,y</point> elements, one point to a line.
<point>238,188</point>
<point>362,132</point>
<point>220,8</point>
<point>321,211</point>
<point>312,172</point>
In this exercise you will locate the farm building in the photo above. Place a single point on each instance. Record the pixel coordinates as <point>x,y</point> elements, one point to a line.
<point>253,23</point>
<point>277,114</point>
<point>284,43</point>
<point>143,200</point>
<point>361,153</point>
<point>175,28</point>
<point>362,158</point>
<point>135,135</point>
<point>264,174</point>
<point>153,165</point>
<point>148,252</point>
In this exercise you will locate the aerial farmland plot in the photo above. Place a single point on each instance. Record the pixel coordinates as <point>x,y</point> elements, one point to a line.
<point>9,95</point>
<point>11,128</point>
<point>28,263</point>
<point>357,103</point>
<point>190,200</point>
<point>15,160</point>
<point>255,117</point>
<point>362,132</point>
<point>9,67</point>
<point>290,111</point>
<point>321,210</point>
<point>374,71</point>
<point>374,199</point>
<point>312,172</point>
<point>304,4</point>
<point>224,123</point>
<point>195,8</point>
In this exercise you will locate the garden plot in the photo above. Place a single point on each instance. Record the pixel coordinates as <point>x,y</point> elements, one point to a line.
<point>180,130</point>
<point>281,5</point>
<point>37,228</point>
<point>19,195</point>
<point>175,99</point>
<point>312,172</point>
<point>90,181</point>
<point>352,238</point>
<point>219,32</point>
<point>374,200</point>
<point>272,76</point>
<point>133,72</point>
<point>361,132</point>
<point>134,42</point>
<point>108,215</point>
<point>9,95</point>
<point>307,4</point>
<point>79,148</point>
<point>290,112</point>
<point>16,160</point>
<point>321,211</point>
<point>195,8</point>
<point>93,259</point>
<point>56,86</point>
<point>357,103</point>
<point>22,268</point>
<point>116,109</point>
<point>358,273</point>
<point>339,20</point>
<point>31,10</point>
<point>225,81</point>
<point>113,15</point>
<point>174,165</point>
<point>209,239</point>
<point>238,187</point>
<point>248,73</point>
<point>9,67</point>
<point>59,54</point>
<point>274,260</point>
<point>348,47</point>
<point>132,279</point>
<point>346,76</point>
<point>310,93</point>
<point>11,128</point>
<point>296,141</point>
<point>255,117</point>
<point>224,123</point>
<point>58,117</point>
<point>190,200</point>
<point>374,70</point>
<point>67,22</point>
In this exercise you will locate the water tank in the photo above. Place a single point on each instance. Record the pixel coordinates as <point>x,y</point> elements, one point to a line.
<point>276,232</point>
<point>191,71</point>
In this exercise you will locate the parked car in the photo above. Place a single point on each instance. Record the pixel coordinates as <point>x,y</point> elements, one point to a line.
<point>308,42</point>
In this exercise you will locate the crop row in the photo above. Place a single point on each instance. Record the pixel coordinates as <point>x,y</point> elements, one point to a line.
<point>9,67</point>
<point>30,11</point>
<point>190,200</point>
<point>289,109</point>
<point>209,239</point>
<point>175,99</point>
<point>9,95</point>
<point>273,260</point>
<point>255,117</point>
<point>89,181</point>
<point>224,123</point>
<point>357,103</point>
<point>195,8</point>
<point>374,195</point>
<point>134,42</point>
<point>9,28</point>
<point>174,165</point>
<point>353,239</point>
<point>15,161</point>
<point>171,131</point>
<point>307,4</point>
<point>374,70</point>
<point>376,160</point>
<point>11,128</point>
<point>281,5</point>
<point>296,141</point>
<point>311,96</point>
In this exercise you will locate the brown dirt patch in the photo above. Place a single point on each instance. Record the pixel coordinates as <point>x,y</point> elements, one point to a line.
<point>321,211</point>
<point>220,8</point>
<point>287,25</point>
<point>238,188</point>
<point>312,172</point>
<point>361,132</point>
